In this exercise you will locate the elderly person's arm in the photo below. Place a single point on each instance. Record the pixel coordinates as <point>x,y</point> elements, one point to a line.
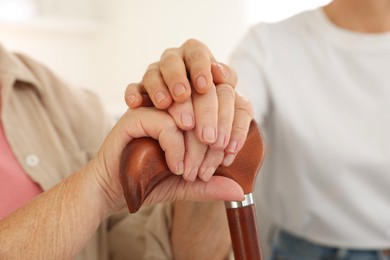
<point>59,222</point>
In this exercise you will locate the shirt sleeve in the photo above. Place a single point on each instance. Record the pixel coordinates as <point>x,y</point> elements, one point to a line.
<point>250,61</point>
<point>143,235</point>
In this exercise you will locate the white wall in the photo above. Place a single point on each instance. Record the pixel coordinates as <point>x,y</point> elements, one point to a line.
<point>66,49</point>
<point>116,43</point>
<point>137,32</point>
<point>113,49</point>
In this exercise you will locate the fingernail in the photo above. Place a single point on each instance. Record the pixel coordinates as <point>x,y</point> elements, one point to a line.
<point>221,69</point>
<point>209,134</point>
<point>187,119</point>
<point>180,168</point>
<point>131,99</point>
<point>228,160</point>
<point>208,173</point>
<point>179,89</point>
<point>233,147</point>
<point>160,96</point>
<point>201,82</point>
<point>193,174</point>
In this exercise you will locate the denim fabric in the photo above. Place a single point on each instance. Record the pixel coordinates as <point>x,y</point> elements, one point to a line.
<point>289,247</point>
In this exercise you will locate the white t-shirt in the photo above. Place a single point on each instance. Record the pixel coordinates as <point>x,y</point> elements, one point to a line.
<point>322,97</point>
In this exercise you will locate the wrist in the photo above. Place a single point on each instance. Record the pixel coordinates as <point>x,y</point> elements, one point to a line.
<point>95,189</point>
<point>108,191</point>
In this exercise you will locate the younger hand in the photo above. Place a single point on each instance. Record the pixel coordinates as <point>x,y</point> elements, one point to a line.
<point>220,116</point>
<point>172,81</point>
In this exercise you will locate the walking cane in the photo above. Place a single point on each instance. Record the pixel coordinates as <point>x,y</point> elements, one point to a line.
<point>143,167</point>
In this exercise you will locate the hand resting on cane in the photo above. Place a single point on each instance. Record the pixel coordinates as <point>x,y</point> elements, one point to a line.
<point>28,232</point>
<point>207,103</point>
<point>229,113</point>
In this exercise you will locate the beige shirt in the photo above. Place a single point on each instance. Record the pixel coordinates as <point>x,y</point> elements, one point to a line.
<point>53,130</point>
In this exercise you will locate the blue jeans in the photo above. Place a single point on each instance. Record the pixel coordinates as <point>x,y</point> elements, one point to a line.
<point>290,247</point>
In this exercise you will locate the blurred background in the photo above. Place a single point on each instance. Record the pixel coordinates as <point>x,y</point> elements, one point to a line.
<point>104,45</point>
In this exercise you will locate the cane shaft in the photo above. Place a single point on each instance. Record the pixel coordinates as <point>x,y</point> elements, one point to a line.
<point>244,233</point>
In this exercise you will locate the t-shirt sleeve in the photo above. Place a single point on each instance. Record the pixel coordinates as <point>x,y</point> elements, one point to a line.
<point>250,61</point>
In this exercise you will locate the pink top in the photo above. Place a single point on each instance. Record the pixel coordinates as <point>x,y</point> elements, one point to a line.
<point>16,187</point>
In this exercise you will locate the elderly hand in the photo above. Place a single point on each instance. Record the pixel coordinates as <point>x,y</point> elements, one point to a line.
<point>149,122</point>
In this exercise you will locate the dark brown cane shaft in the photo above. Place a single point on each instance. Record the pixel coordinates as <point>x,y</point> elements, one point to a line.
<point>244,233</point>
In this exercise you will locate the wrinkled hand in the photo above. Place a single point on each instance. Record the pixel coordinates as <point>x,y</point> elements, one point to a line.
<point>149,122</point>
<point>199,94</point>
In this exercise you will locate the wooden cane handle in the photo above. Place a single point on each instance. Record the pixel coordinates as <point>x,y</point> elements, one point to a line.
<point>143,166</point>
<point>247,163</point>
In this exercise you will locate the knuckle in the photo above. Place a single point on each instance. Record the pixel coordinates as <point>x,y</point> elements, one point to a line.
<point>208,111</point>
<point>131,87</point>
<point>240,129</point>
<point>168,60</point>
<point>152,66</point>
<point>225,90</point>
<point>243,105</point>
<point>168,52</point>
<point>197,54</point>
<point>169,55</point>
<point>191,42</point>
<point>150,75</point>
<point>224,122</point>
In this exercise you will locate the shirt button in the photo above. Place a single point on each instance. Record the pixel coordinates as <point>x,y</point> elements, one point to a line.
<point>32,160</point>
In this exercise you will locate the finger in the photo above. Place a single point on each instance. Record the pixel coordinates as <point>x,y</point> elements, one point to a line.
<point>173,70</point>
<point>198,59</point>
<point>206,115</point>
<point>159,125</point>
<point>242,118</point>
<point>136,96</point>
<point>226,109</point>
<point>154,85</point>
<point>219,188</point>
<point>212,160</point>
<point>223,73</point>
<point>183,114</point>
<point>194,154</point>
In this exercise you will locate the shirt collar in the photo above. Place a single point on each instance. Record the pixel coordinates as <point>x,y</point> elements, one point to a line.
<point>13,69</point>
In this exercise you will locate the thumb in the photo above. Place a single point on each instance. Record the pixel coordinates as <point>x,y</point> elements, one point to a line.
<point>176,188</point>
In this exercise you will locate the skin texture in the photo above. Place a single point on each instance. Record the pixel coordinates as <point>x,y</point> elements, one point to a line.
<point>366,16</point>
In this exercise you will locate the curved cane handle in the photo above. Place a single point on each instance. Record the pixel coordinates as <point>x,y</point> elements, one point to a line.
<point>143,166</point>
